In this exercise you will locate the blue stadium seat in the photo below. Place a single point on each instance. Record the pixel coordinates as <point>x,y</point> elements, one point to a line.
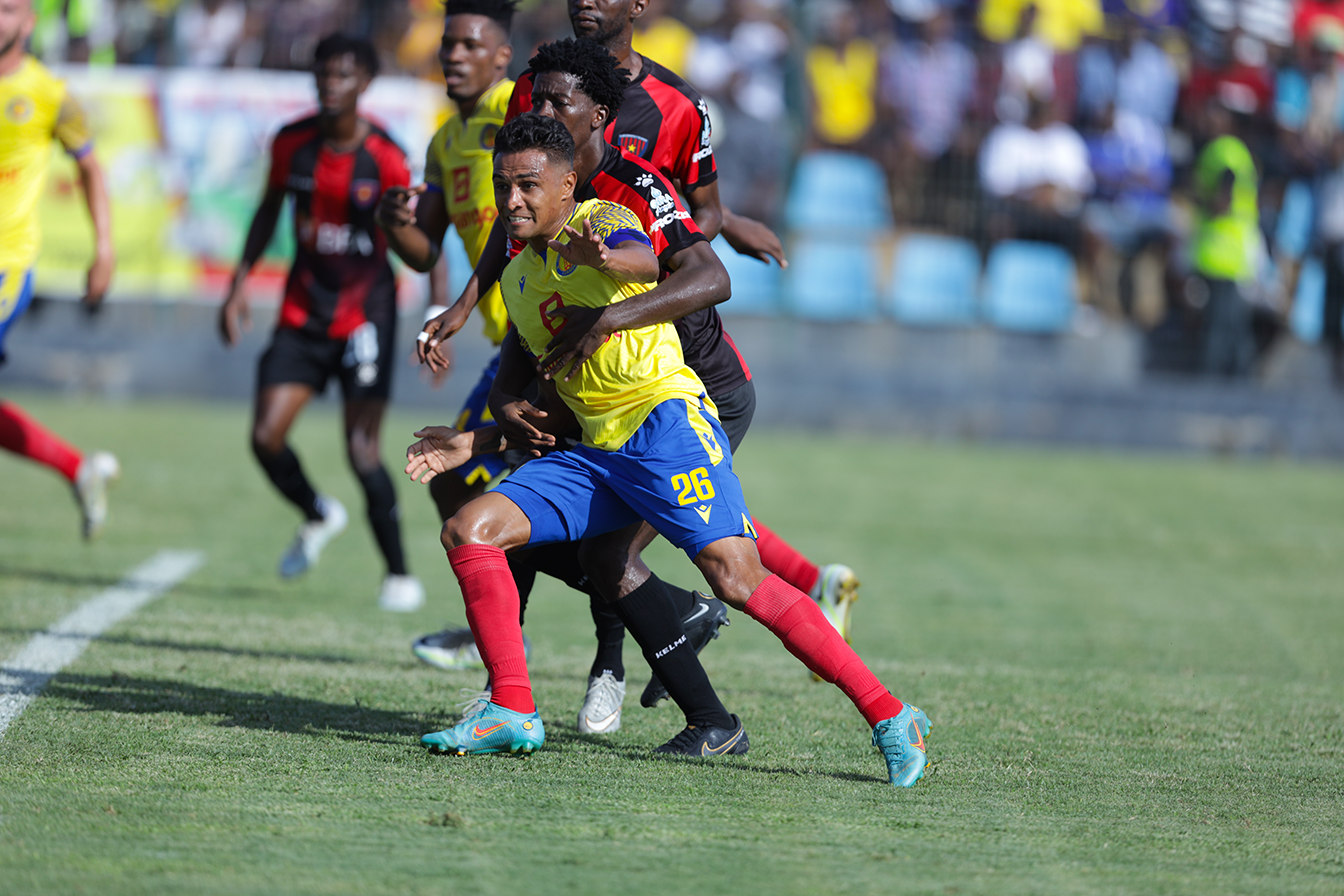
<point>831,278</point>
<point>1029,287</point>
<point>755,285</point>
<point>1296,217</point>
<point>1308,301</point>
<point>934,280</point>
<point>838,191</point>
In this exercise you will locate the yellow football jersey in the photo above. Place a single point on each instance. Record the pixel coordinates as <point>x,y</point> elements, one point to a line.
<point>460,165</point>
<point>34,109</point>
<point>634,371</point>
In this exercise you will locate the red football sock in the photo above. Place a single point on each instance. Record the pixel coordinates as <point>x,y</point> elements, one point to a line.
<point>797,621</point>
<point>778,556</point>
<point>24,435</point>
<point>491,599</point>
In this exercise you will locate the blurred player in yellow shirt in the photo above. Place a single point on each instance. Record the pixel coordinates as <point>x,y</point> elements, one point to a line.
<point>34,110</point>
<point>475,55</point>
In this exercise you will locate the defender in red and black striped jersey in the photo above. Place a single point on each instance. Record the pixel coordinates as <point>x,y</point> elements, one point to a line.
<point>662,120</point>
<point>341,278</point>
<point>339,310</point>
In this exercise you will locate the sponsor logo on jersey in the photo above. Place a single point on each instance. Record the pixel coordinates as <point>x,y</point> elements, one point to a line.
<point>364,193</point>
<point>488,136</point>
<point>633,144</point>
<point>20,109</point>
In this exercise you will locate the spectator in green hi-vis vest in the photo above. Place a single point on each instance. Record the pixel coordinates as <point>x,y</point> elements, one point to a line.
<point>1226,248</point>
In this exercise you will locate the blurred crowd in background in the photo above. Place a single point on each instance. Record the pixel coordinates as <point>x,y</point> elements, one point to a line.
<point>1187,156</point>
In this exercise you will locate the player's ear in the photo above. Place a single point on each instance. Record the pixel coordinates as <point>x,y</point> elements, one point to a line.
<point>601,114</point>
<point>637,8</point>
<point>570,182</point>
<point>503,55</point>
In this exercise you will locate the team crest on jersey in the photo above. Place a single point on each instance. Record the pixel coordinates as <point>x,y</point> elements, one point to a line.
<point>633,144</point>
<point>488,136</point>
<point>19,110</point>
<point>364,193</point>
<point>562,267</point>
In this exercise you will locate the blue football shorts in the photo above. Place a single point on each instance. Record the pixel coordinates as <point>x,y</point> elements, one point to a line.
<point>16,294</point>
<point>476,414</point>
<point>675,472</point>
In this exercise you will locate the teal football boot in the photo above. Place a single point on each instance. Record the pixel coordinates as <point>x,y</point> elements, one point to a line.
<point>901,741</point>
<point>495,730</point>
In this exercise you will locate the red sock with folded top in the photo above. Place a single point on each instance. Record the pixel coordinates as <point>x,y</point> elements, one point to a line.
<point>491,600</point>
<point>796,620</point>
<point>25,436</point>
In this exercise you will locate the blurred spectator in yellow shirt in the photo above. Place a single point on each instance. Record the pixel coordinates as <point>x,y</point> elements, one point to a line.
<point>841,80</point>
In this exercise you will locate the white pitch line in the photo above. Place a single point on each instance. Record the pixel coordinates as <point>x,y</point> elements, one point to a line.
<point>24,675</point>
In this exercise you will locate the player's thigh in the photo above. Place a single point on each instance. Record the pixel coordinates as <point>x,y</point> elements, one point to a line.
<point>274,414</point>
<point>612,561</point>
<point>736,410</point>
<point>732,568</point>
<point>294,368</point>
<point>677,474</point>
<point>566,497</point>
<point>363,419</point>
<point>16,294</point>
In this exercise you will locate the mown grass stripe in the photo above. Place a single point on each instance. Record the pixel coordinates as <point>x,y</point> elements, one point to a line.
<point>24,675</point>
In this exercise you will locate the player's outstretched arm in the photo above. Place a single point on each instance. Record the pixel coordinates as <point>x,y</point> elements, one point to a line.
<point>415,235</point>
<point>100,212</point>
<point>442,448</point>
<point>698,280</point>
<point>234,314</point>
<point>631,261</point>
<point>432,349</point>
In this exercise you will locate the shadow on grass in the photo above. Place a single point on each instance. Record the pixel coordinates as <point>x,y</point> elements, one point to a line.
<point>290,655</point>
<point>241,709</point>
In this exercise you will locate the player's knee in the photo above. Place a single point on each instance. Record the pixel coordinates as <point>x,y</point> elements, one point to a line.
<point>468,526</point>
<point>267,441</point>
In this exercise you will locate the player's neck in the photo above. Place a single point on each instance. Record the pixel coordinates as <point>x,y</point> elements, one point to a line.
<point>10,62</point>
<point>467,107</point>
<point>342,131</point>
<point>626,57</point>
<point>588,157</point>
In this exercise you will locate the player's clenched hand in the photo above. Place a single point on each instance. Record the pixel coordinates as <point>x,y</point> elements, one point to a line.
<point>440,449</point>
<point>235,318</point>
<point>433,350</point>
<point>750,237</point>
<point>394,206</point>
<point>519,420</point>
<point>583,248</point>
<point>99,279</point>
<point>579,338</point>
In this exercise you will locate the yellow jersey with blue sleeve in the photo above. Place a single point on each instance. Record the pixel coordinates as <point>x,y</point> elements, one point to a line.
<point>34,110</point>
<point>634,370</point>
<point>459,166</point>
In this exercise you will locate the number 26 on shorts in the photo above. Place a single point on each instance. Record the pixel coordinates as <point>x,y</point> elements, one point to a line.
<point>693,486</point>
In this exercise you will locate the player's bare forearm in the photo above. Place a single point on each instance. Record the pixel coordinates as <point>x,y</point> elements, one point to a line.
<point>100,213</point>
<point>631,262</point>
<point>261,230</point>
<point>706,210</point>
<point>698,280</point>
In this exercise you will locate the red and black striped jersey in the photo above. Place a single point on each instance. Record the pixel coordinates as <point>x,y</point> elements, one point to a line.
<point>662,120</point>
<point>341,276</point>
<point>637,185</point>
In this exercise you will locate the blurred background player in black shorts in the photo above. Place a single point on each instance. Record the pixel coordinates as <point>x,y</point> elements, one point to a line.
<point>339,309</point>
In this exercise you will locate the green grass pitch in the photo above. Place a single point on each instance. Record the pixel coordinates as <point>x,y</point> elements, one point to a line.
<point>1133,666</point>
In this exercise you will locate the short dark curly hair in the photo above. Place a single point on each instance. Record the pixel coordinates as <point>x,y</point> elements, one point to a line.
<point>598,73</point>
<point>501,11</point>
<point>338,44</point>
<point>533,131</point>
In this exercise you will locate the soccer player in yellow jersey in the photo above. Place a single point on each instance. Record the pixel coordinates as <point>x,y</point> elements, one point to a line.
<point>652,449</point>
<point>34,110</point>
<point>475,55</point>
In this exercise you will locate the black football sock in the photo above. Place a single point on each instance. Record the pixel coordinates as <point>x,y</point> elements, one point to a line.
<point>652,620</point>
<point>525,577</point>
<point>610,633</point>
<point>384,518</point>
<point>286,474</point>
